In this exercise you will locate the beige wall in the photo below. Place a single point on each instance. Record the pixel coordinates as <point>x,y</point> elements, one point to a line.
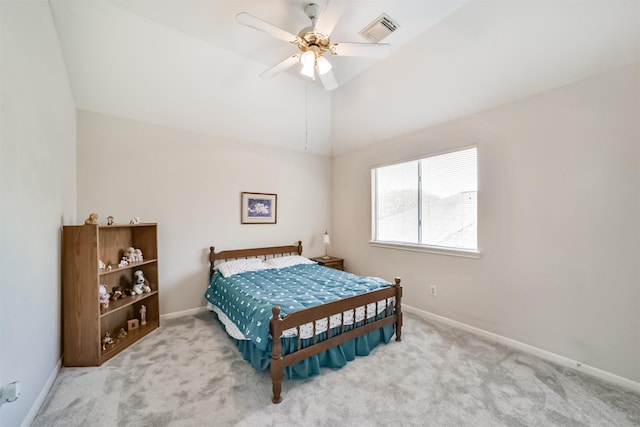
<point>190,184</point>
<point>37,196</point>
<point>559,222</point>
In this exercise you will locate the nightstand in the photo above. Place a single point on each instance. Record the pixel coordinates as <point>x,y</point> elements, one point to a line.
<point>331,262</point>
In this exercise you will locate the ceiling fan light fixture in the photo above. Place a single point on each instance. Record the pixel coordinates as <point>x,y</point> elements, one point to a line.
<point>307,70</point>
<point>324,66</point>
<point>308,58</point>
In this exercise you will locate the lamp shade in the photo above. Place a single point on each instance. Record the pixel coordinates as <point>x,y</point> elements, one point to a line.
<point>307,70</point>
<point>325,238</point>
<point>323,65</point>
<point>308,58</point>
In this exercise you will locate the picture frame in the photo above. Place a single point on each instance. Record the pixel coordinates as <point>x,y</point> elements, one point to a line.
<point>259,208</point>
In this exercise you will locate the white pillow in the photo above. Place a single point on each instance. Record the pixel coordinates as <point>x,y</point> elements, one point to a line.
<point>287,261</point>
<point>237,266</point>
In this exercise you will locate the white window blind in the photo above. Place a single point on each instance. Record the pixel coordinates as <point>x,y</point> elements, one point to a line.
<point>398,207</point>
<point>431,201</point>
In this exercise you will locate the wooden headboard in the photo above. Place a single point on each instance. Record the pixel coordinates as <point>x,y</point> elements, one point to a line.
<point>264,253</point>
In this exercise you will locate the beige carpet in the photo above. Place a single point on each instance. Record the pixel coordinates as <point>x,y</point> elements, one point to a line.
<point>189,374</point>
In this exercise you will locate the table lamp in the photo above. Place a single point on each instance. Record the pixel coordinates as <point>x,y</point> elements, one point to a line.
<point>326,241</point>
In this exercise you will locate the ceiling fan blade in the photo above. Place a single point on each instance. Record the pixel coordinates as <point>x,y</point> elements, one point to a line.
<point>328,17</point>
<point>328,80</point>
<point>367,50</point>
<point>249,20</point>
<point>281,66</point>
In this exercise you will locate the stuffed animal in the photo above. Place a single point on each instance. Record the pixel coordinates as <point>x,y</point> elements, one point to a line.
<point>104,296</point>
<point>93,219</point>
<point>116,292</point>
<point>133,255</point>
<point>107,341</point>
<point>141,284</point>
<point>122,334</point>
<point>130,255</point>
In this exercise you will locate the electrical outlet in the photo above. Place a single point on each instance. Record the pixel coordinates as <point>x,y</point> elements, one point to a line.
<point>433,290</point>
<point>10,392</point>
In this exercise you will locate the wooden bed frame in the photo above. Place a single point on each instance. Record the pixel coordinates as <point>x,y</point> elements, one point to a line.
<point>320,312</point>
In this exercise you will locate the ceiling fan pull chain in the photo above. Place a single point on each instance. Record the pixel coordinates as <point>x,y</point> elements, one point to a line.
<point>306,117</point>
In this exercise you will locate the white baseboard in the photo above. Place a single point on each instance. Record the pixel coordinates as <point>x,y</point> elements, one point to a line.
<point>31,415</point>
<point>176,314</point>
<point>526,348</point>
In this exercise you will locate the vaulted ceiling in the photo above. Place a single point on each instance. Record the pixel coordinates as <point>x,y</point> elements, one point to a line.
<point>187,64</point>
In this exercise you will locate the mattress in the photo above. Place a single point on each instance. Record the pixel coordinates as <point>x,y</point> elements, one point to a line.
<point>243,301</point>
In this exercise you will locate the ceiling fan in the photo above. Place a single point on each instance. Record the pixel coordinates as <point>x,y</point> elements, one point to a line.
<point>313,42</point>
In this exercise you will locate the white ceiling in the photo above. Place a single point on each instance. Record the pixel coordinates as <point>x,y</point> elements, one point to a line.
<point>214,22</point>
<point>187,64</point>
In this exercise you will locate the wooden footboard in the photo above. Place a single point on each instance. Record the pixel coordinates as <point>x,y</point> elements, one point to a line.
<point>392,313</point>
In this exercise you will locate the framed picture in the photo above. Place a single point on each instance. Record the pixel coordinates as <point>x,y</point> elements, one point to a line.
<point>259,208</point>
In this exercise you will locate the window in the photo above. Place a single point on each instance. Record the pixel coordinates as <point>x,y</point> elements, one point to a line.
<point>430,202</point>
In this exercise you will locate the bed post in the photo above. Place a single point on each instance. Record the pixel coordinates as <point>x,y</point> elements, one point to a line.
<point>276,355</point>
<point>398,310</point>
<point>299,247</point>
<point>212,252</point>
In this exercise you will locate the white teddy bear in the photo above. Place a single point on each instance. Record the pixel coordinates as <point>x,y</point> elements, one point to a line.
<point>133,255</point>
<point>104,296</point>
<point>130,255</point>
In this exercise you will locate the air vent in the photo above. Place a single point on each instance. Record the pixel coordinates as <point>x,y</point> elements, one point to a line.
<point>380,28</point>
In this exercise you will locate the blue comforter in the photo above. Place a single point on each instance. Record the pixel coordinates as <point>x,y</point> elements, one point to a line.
<point>247,298</point>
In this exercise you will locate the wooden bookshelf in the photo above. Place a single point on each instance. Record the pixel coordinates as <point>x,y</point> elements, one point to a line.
<point>84,322</point>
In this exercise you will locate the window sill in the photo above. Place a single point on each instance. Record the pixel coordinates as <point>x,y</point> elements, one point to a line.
<point>428,249</point>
